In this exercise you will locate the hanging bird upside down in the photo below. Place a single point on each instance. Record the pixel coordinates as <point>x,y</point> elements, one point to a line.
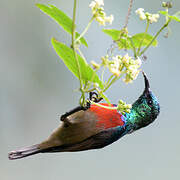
<point>95,127</point>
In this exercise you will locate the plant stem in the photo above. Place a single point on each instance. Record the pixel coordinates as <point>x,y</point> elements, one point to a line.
<point>75,54</point>
<point>108,85</point>
<point>113,81</point>
<point>134,49</point>
<point>85,30</point>
<point>81,54</point>
<point>109,79</point>
<point>104,96</point>
<point>73,23</point>
<point>92,78</point>
<point>164,26</point>
<point>102,74</point>
<point>147,26</point>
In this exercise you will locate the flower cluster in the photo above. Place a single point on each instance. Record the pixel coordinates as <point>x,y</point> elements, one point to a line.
<point>132,68</point>
<point>141,13</point>
<point>99,14</point>
<point>121,65</point>
<point>123,107</point>
<point>150,17</point>
<point>115,66</point>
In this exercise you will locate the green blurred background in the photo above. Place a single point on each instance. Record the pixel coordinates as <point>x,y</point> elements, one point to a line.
<point>36,89</point>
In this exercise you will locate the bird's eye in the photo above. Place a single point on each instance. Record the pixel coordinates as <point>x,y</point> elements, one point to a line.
<point>150,102</point>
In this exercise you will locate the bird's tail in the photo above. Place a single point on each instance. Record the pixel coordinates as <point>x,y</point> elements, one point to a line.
<point>28,151</point>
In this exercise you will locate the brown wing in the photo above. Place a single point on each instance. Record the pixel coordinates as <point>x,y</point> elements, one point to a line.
<point>76,128</point>
<point>97,141</point>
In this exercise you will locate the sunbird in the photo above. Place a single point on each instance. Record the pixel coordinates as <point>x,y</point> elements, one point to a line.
<point>94,127</point>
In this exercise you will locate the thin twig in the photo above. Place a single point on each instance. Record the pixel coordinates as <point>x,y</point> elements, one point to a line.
<point>144,36</point>
<point>75,54</point>
<point>128,14</point>
<point>134,49</point>
<point>85,30</point>
<point>113,45</point>
<point>165,25</point>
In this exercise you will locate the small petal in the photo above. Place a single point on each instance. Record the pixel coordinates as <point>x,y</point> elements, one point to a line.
<point>95,65</point>
<point>99,14</point>
<point>110,19</point>
<point>138,61</point>
<point>92,5</point>
<point>115,71</point>
<point>153,18</point>
<point>142,16</point>
<point>105,60</point>
<point>101,20</point>
<point>139,11</point>
<point>99,2</point>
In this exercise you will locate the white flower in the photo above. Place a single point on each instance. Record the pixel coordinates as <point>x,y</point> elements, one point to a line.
<point>99,2</point>
<point>138,61</point>
<point>101,20</point>
<point>134,73</point>
<point>153,18</point>
<point>116,59</point>
<point>115,65</point>
<point>126,59</point>
<point>96,4</point>
<point>131,66</point>
<point>142,16</point>
<point>92,4</point>
<point>99,14</point>
<point>109,19</point>
<point>125,64</point>
<point>115,71</point>
<point>141,13</point>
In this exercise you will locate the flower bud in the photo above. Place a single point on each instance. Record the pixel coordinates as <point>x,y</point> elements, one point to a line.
<point>167,4</point>
<point>95,65</point>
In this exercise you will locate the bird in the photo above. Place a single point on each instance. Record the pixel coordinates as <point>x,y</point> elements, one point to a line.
<point>94,127</point>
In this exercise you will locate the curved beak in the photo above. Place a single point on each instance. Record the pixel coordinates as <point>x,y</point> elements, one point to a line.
<point>147,87</point>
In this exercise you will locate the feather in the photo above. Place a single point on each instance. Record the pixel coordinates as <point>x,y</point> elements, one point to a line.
<point>97,141</point>
<point>28,151</point>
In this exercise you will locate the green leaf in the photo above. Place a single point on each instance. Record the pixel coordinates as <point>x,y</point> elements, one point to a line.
<point>61,18</point>
<point>115,34</point>
<point>165,13</point>
<point>137,38</point>
<point>120,37</point>
<point>125,42</point>
<point>68,57</point>
<point>175,17</point>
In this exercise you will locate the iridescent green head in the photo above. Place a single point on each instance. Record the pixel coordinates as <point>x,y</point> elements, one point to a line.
<point>146,108</point>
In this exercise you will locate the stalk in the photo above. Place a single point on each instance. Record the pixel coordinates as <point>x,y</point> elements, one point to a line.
<point>74,49</point>
<point>147,26</point>
<point>165,25</point>
<point>85,30</point>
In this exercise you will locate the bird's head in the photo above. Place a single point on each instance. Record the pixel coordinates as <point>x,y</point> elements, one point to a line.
<point>146,107</point>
